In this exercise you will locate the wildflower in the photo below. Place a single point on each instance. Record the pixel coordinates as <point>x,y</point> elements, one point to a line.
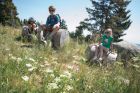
<point>69,66</point>
<point>25,78</point>
<point>28,65</point>
<point>126,81</point>
<point>68,74</point>
<point>7,49</point>
<point>63,76</point>
<point>45,58</point>
<point>68,87</point>
<point>31,59</point>
<point>57,79</point>
<point>136,66</point>
<point>46,63</point>
<point>76,57</point>
<point>52,75</point>
<point>41,57</point>
<point>10,55</point>
<point>31,69</point>
<point>19,59</point>
<point>42,66</point>
<point>52,86</point>
<point>49,71</point>
<point>14,58</point>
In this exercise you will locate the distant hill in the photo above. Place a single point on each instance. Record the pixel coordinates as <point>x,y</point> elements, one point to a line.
<point>138,45</point>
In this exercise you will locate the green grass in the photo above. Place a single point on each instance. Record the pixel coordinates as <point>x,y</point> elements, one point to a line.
<point>61,71</point>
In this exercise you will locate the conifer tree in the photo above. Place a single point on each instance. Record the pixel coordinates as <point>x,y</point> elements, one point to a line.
<point>8,13</point>
<point>108,13</point>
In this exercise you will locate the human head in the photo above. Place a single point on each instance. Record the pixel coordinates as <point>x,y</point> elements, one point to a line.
<point>31,20</point>
<point>108,32</point>
<point>52,10</point>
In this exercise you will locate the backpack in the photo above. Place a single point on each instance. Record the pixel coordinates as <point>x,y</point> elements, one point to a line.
<point>59,19</point>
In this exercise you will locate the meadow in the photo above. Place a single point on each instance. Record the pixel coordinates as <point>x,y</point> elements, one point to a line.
<point>34,68</point>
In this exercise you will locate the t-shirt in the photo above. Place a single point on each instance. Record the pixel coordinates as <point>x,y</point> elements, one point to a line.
<point>52,20</point>
<point>106,41</point>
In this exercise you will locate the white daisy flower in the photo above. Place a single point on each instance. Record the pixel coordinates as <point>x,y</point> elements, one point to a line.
<point>67,73</point>
<point>13,57</point>
<point>63,76</point>
<point>25,78</point>
<point>57,79</point>
<point>28,65</point>
<point>49,71</point>
<point>69,66</point>
<point>53,86</point>
<point>31,69</point>
<point>52,75</point>
<point>31,59</point>
<point>7,49</point>
<point>19,59</point>
<point>68,87</point>
<point>10,55</point>
<point>42,66</point>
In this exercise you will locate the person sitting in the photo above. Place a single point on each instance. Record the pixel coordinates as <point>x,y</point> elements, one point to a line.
<point>104,45</point>
<point>32,25</point>
<point>52,23</point>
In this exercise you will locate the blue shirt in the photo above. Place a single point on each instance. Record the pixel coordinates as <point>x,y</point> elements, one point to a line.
<point>52,20</point>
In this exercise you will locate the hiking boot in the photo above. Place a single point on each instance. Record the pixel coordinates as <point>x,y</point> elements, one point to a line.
<point>100,59</point>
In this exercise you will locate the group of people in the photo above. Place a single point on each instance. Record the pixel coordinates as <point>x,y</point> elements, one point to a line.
<point>50,28</point>
<point>53,24</point>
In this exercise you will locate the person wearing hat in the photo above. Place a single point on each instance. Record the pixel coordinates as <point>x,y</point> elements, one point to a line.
<point>52,23</point>
<point>106,42</point>
<point>32,25</point>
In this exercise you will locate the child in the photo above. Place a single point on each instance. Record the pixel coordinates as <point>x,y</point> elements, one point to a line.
<point>52,23</point>
<point>32,26</point>
<point>105,45</point>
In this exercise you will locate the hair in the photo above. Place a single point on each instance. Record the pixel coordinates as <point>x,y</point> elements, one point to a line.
<point>52,8</point>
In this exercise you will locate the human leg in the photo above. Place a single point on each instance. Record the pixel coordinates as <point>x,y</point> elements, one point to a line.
<point>102,49</point>
<point>55,29</point>
<point>96,52</point>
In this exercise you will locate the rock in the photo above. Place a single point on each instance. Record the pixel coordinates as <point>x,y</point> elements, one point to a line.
<point>126,51</point>
<point>107,57</point>
<point>127,46</point>
<point>60,38</point>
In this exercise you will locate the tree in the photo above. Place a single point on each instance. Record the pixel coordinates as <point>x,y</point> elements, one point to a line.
<point>8,13</point>
<point>108,13</point>
<point>78,34</point>
<point>63,24</point>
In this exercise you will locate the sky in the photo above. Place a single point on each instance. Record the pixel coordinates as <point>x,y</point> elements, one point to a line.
<point>73,11</point>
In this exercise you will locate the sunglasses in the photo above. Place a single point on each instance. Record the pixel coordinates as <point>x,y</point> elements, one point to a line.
<point>107,32</point>
<point>51,10</point>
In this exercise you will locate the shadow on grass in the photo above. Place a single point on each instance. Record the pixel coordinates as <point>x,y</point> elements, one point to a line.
<point>26,46</point>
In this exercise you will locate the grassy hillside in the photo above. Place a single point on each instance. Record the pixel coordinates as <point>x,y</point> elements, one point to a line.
<point>33,68</point>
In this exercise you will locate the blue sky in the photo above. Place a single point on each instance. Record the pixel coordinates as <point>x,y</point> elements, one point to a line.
<point>73,11</point>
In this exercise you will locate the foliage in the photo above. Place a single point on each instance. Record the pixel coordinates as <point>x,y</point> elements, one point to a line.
<point>108,13</point>
<point>63,24</point>
<point>8,13</point>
